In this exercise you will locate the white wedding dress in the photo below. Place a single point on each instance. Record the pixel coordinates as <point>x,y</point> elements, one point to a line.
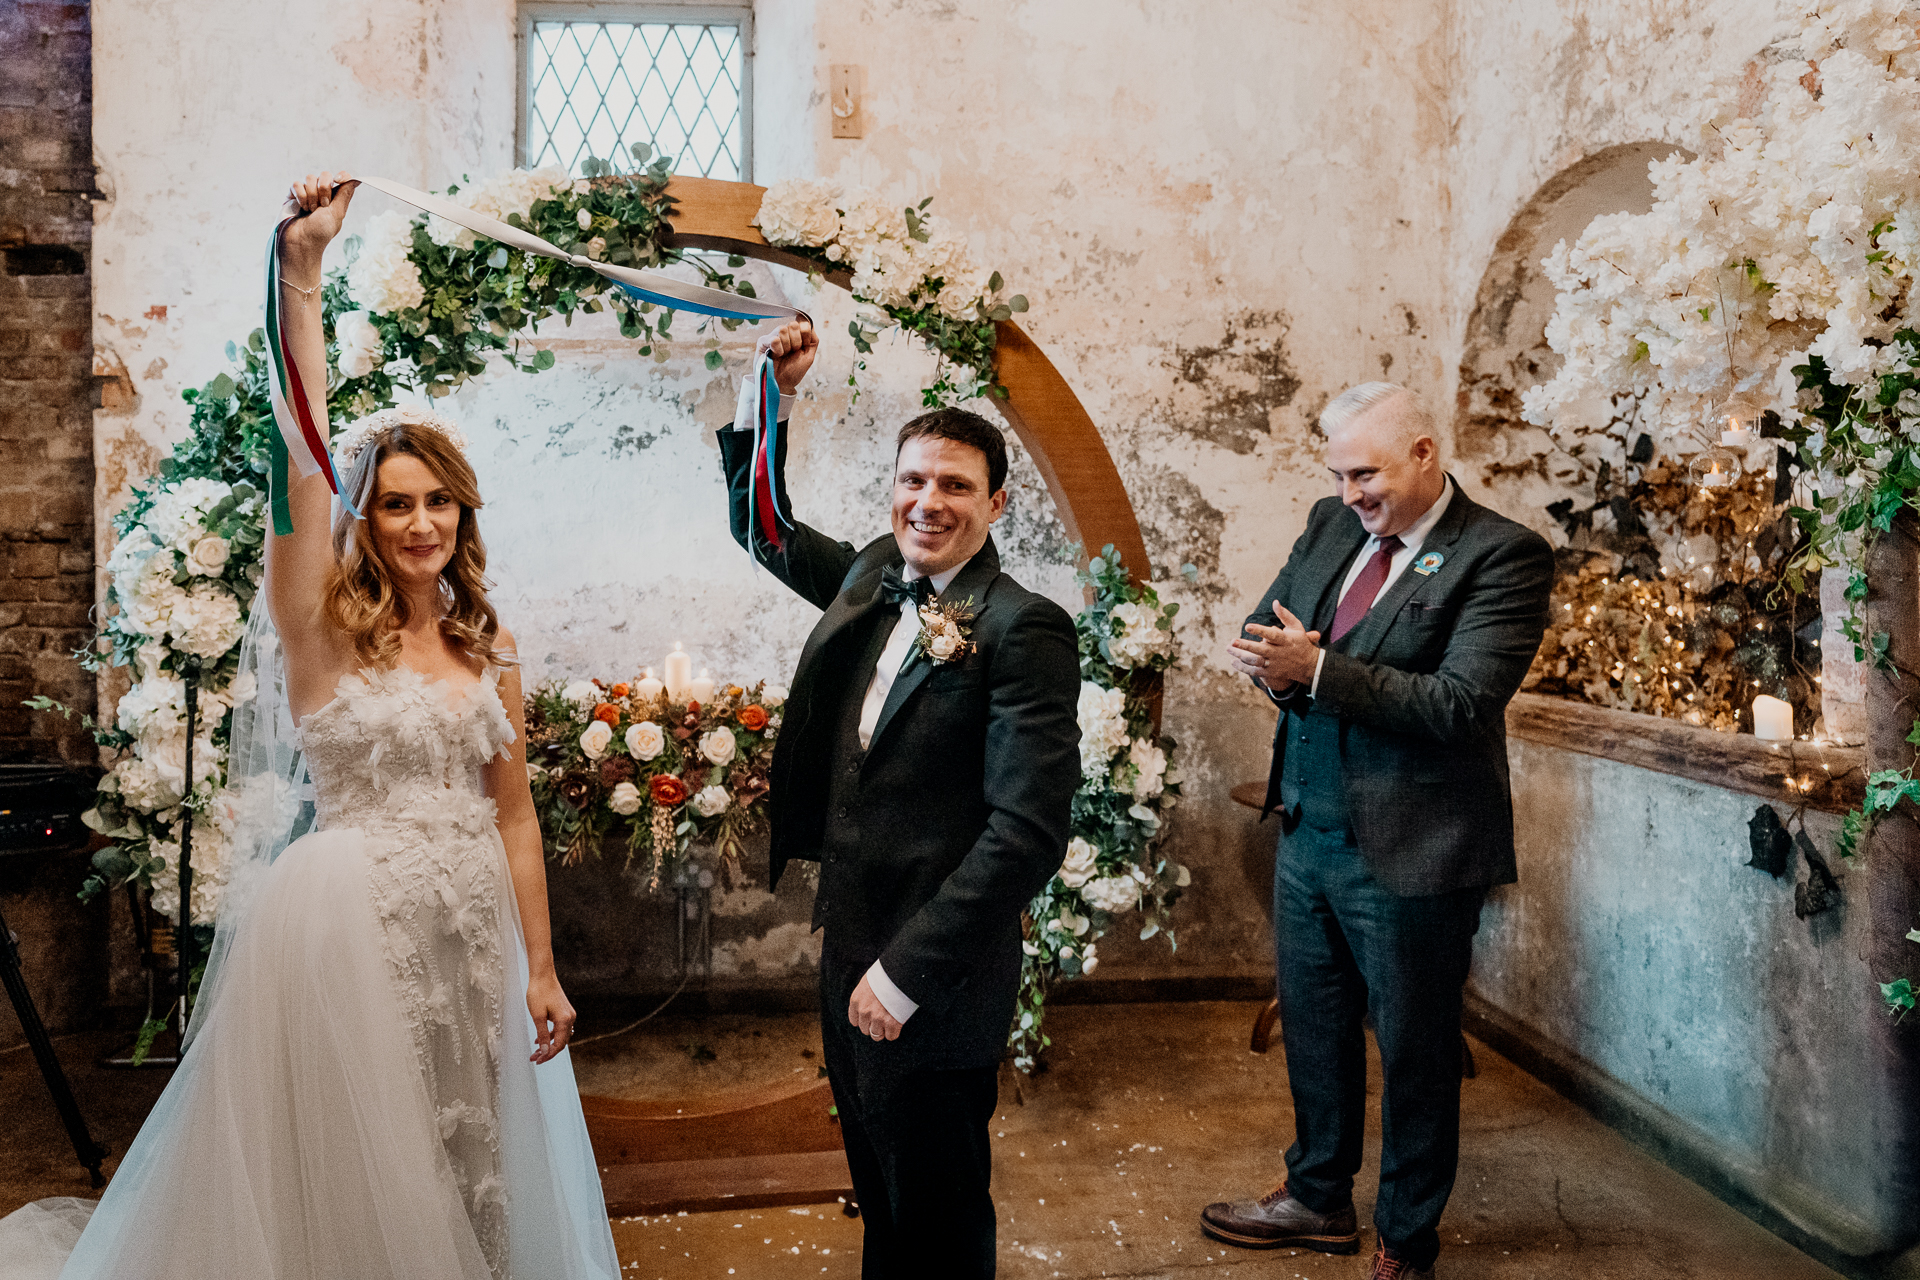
<point>359,1104</point>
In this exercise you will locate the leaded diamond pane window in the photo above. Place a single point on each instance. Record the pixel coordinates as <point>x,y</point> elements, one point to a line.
<point>597,80</point>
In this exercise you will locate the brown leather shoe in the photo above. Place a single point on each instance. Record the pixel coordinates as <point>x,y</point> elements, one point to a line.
<point>1276,1220</point>
<point>1388,1265</point>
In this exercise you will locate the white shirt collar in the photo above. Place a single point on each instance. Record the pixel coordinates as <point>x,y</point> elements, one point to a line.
<point>940,580</point>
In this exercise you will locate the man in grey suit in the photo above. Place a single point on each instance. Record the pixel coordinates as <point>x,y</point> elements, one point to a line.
<point>1400,627</point>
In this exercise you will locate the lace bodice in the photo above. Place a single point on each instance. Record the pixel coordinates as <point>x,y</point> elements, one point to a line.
<point>394,747</point>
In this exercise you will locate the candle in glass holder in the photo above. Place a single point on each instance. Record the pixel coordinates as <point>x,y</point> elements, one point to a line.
<point>1772,718</point>
<point>648,688</point>
<point>679,673</point>
<point>703,689</point>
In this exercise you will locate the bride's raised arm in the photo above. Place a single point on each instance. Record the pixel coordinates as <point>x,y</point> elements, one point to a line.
<point>298,563</point>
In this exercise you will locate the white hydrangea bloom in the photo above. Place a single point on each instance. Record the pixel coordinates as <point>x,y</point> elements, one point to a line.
<point>709,801</point>
<point>383,278</point>
<point>1112,893</point>
<point>800,212</point>
<point>1137,638</point>
<point>1103,727</point>
<point>1149,768</point>
<point>505,193</point>
<point>205,620</point>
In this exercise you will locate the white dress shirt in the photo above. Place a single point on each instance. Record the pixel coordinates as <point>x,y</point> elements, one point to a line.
<point>1409,548</point>
<point>885,672</point>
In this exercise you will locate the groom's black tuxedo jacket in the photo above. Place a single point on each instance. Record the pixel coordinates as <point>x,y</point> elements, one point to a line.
<point>933,840</point>
<point>1419,689</point>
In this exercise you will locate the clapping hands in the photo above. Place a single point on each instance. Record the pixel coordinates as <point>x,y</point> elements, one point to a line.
<point>1279,657</point>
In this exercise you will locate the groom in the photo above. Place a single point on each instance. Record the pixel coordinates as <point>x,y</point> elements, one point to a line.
<point>934,793</point>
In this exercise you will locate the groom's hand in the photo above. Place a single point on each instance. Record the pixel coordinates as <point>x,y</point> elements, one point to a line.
<point>867,1013</point>
<point>793,349</point>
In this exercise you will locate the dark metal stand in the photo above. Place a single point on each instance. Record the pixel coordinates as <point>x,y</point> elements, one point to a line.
<point>183,934</point>
<point>90,1152</point>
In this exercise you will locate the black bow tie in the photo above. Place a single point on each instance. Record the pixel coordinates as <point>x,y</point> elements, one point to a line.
<point>895,589</point>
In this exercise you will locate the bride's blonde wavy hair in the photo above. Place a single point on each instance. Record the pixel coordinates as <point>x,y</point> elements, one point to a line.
<point>361,598</point>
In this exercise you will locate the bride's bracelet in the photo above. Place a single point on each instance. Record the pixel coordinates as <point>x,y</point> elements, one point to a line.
<point>297,289</point>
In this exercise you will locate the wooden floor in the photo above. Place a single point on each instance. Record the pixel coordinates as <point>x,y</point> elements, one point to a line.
<point>1150,1112</point>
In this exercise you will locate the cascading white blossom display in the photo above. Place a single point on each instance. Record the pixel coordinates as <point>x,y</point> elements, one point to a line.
<point>1794,234</point>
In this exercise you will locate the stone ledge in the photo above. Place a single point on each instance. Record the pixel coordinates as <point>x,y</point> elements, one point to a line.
<point>1828,778</point>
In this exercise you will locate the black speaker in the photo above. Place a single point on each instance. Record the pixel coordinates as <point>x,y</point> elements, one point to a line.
<point>40,807</point>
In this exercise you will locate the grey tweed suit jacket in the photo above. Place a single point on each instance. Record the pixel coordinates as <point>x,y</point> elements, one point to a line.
<point>1420,688</point>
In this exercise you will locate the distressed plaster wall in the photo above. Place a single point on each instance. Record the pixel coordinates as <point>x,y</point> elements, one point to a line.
<point>1224,212</point>
<point>1638,944</point>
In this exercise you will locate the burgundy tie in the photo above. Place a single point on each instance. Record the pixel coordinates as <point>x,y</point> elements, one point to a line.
<point>1359,597</point>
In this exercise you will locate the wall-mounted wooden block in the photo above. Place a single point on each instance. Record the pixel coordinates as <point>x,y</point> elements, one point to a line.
<point>847,87</point>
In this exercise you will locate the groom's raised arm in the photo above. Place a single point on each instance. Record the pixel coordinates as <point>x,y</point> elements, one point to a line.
<point>807,560</point>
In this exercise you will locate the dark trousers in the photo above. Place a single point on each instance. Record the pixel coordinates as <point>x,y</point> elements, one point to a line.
<point>1347,947</point>
<point>918,1149</point>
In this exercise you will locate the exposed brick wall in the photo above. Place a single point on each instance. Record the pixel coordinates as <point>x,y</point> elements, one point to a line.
<point>46,356</point>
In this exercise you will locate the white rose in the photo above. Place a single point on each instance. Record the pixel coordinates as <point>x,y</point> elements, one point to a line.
<point>1080,864</point>
<point>709,801</point>
<point>209,556</point>
<point>645,740</point>
<point>584,219</point>
<point>361,351</point>
<point>1150,768</point>
<point>594,741</point>
<point>582,693</point>
<point>717,746</point>
<point>625,799</point>
<point>773,695</point>
<point>942,645</point>
<point>597,248</point>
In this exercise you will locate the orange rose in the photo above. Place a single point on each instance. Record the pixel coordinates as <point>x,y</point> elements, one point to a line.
<point>608,712</point>
<point>753,718</point>
<point>619,690</point>
<point>668,790</point>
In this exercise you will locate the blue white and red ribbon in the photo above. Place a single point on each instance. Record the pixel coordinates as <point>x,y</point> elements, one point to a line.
<point>304,441</point>
<point>758,411</point>
<point>299,438</point>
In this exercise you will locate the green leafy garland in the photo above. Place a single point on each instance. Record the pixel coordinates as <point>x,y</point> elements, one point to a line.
<point>1116,861</point>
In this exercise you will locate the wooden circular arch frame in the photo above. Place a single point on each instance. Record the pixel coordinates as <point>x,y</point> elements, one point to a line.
<point>1040,406</point>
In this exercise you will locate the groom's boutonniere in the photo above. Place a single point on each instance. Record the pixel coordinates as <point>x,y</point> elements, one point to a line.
<point>945,630</point>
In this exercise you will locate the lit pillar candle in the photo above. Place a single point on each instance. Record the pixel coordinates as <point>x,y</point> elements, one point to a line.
<point>679,673</point>
<point>1772,718</point>
<point>703,689</point>
<point>649,688</point>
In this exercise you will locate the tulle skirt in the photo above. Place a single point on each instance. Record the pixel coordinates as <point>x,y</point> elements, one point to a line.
<point>298,1141</point>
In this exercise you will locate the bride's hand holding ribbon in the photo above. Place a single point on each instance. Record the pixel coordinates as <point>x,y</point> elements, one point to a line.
<point>318,204</point>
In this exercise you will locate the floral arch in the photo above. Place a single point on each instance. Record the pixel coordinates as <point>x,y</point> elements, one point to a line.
<point>424,304</point>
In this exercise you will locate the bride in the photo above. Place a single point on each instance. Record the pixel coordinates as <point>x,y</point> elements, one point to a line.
<point>361,1097</point>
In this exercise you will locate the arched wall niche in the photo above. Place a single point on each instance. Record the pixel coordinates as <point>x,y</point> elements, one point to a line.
<point>1505,347</point>
<point>1040,407</point>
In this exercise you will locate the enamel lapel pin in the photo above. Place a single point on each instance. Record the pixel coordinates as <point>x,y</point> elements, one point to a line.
<point>1428,563</point>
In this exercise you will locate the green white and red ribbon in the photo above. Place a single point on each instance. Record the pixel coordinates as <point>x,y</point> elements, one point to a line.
<point>303,441</point>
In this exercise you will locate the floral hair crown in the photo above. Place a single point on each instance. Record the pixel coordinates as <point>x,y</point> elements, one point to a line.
<point>348,444</point>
